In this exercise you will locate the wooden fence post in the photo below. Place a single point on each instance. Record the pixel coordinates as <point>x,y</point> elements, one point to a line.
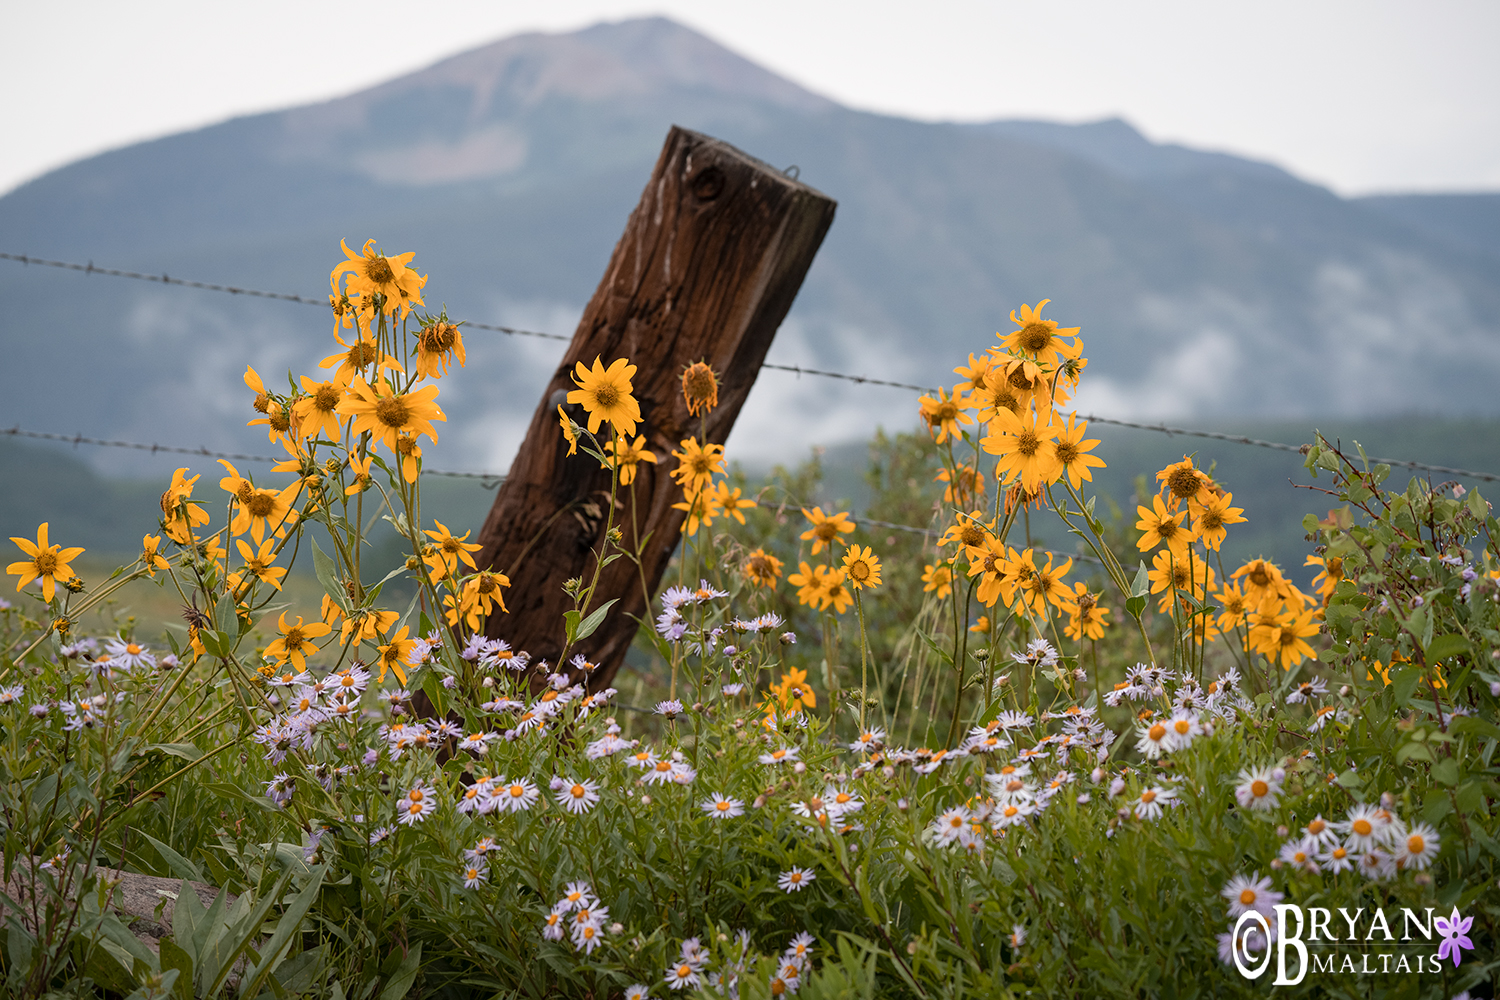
<point>706,270</point>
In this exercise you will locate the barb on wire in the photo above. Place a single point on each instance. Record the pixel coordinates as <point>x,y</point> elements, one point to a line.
<point>209,286</point>
<point>89,268</point>
<point>487,479</point>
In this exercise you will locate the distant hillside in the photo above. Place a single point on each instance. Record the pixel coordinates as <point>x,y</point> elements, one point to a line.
<point>1206,285</point>
<point>1469,221</point>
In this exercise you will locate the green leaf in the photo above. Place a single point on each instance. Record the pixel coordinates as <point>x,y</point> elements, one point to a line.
<point>173,957</point>
<point>186,751</point>
<point>1476,725</point>
<point>1445,771</point>
<point>1445,646</point>
<point>1135,605</point>
<point>1141,586</point>
<point>406,973</point>
<point>589,625</point>
<point>181,866</point>
<point>328,576</point>
<point>286,927</point>
<point>1477,506</point>
<point>570,624</point>
<point>229,790</point>
<point>215,643</point>
<point>942,653</point>
<point>225,617</point>
<point>1349,779</point>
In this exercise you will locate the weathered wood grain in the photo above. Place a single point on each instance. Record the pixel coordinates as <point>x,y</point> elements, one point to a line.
<point>706,270</point>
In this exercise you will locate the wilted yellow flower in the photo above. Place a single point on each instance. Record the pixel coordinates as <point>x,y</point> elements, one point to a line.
<point>481,593</point>
<point>1086,617</point>
<point>965,485</point>
<point>700,388</point>
<point>359,468</point>
<point>439,344</point>
<point>567,428</point>
<point>762,569</point>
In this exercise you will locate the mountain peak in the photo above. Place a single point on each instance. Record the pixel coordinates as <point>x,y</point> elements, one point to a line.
<point>632,58</point>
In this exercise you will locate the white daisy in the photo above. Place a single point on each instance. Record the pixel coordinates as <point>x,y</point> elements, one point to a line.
<point>1337,858</point>
<point>681,975</point>
<point>946,828</point>
<point>720,807</point>
<point>1300,853</point>
<point>869,741</point>
<point>587,936</point>
<point>1011,814</point>
<point>841,802</point>
<point>474,874</point>
<point>795,880</point>
<point>1376,864</point>
<point>556,924</point>
<point>416,805</point>
<point>1321,831</point>
<point>1183,728</point>
<point>660,772</point>
<point>1250,893</point>
<point>643,759</point>
<point>781,755</point>
<point>800,948</point>
<point>515,796</point>
<point>578,796</point>
<point>636,991</point>
<point>1258,789</point>
<point>1364,827</point>
<point>1154,740</point>
<point>1416,850</point>
<point>1149,804</point>
<point>477,743</point>
<point>1307,690</point>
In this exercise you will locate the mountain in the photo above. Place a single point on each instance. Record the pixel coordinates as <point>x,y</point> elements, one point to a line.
<point>1206,285</point>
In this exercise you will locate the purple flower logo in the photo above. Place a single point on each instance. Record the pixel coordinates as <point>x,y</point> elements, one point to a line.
<point>1455,931</point>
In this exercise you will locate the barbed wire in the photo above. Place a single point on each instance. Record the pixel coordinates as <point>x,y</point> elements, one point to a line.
<point>1161,428</point>
<point>489,479</point>
<point>209,286</point>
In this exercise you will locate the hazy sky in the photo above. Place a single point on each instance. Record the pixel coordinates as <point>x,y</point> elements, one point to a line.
<point>1363,95</point>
